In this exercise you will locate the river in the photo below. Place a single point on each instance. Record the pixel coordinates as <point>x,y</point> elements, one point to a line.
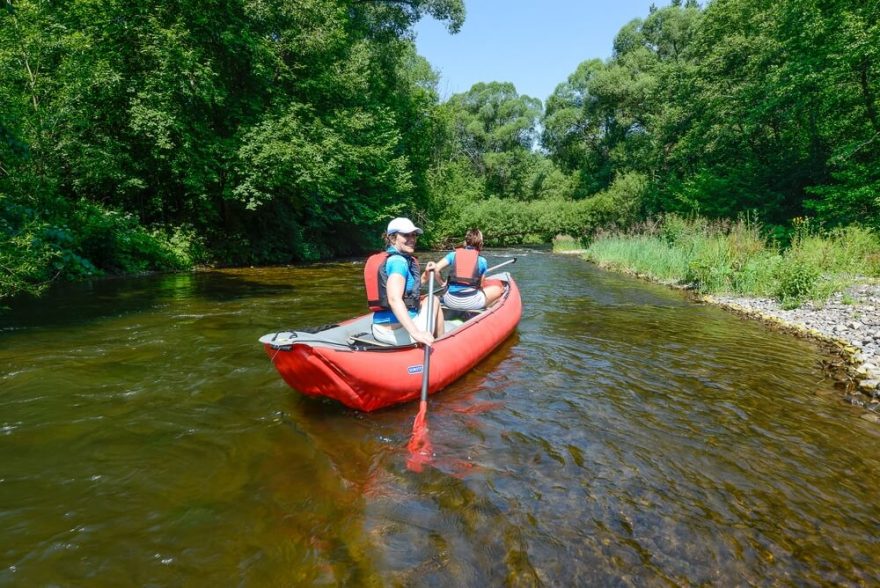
<point>624,435</point>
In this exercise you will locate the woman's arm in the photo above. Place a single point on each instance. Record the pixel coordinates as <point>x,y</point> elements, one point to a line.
<point>394,288</point>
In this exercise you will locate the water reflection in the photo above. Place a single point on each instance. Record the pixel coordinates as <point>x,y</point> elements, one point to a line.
<point>623,436</point>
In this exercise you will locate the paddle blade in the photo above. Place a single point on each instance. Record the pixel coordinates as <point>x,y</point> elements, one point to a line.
<point>420,451</point>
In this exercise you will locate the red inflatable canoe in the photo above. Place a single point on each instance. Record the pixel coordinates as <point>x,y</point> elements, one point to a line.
<point>346,363</point>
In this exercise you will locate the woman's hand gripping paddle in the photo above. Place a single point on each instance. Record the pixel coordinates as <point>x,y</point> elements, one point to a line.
<point>420,451</point>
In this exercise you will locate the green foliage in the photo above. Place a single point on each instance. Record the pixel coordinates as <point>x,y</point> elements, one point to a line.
<point>237,131</point>
<point>852,198</point>
<point>512,222</point>
<point>85,241</point>
<point>742,106</point>
<point>719,257</point>
<point>240,132</point>
<point>757,273</point>
<point>340,174</point>
<point>494,129</point>
<point>566,244</point>
<point>25,257</point>
<point>620,204</point>
<point>604,121</point>
<point>796,282</point>
<point>113,242</point>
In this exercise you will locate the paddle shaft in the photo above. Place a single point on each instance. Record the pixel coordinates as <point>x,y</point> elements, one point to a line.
<point>495,267</point>
<point>427,362</point>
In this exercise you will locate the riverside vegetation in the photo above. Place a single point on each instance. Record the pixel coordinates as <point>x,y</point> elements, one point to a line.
<point>724,257</point>
<point>164,135</point>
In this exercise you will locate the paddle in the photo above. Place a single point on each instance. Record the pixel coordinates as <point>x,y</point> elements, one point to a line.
<point>419,445</point>
<point>495,267</point>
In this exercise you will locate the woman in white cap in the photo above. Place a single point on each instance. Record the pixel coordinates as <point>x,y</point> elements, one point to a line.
<point>393,283</point>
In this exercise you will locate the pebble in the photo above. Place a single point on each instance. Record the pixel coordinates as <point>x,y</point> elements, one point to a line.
<point>848,319</point>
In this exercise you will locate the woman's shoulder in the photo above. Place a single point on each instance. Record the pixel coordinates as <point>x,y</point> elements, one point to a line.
<point>397,262</point>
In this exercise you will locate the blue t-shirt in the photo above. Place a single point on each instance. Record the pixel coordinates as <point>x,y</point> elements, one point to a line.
<point>396,264</point>
<point>482,266</point>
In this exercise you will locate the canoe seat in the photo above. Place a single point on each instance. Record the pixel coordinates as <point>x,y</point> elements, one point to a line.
<point>368,341</point>
<point>361,339</point>
<point>452,312</point>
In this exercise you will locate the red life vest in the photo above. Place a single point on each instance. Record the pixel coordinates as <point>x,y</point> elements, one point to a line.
<point>466,268</point>
<point>376,281</point>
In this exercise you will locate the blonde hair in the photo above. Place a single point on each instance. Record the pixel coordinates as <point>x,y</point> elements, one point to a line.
<point>474,238</point>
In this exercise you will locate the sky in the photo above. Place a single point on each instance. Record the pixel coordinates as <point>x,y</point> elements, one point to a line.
<point>533,44</point>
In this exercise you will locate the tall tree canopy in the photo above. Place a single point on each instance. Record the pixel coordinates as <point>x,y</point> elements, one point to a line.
<point>268,127</point>
<point>495,128</point>
<point>742,106</point>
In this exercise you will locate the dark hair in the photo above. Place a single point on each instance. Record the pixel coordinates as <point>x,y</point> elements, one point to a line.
<point>474,238</point>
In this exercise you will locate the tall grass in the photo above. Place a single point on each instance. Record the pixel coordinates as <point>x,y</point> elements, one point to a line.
<point>734,257</point>
<point>567,244</point>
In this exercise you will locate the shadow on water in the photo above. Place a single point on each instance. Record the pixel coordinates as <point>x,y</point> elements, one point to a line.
<point>81,303</point>
<point>69,304</point>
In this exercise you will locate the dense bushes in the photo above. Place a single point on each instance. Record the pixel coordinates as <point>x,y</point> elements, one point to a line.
<point>85,241</point>
<point>25,255</point>
<point>511,222</point>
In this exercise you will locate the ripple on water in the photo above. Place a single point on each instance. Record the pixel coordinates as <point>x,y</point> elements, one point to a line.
<point>622,435</point>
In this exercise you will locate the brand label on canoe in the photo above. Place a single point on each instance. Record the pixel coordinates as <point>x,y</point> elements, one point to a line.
<point>415,369</point>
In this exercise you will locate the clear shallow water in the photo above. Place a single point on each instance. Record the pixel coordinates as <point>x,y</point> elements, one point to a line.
<point>622,436</point>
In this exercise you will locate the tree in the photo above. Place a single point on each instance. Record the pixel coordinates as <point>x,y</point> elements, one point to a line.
<point>173,112</point>
<point>495,129</point>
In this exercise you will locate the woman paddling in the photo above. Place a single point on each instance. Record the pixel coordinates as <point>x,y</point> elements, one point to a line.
<point>468,290</point>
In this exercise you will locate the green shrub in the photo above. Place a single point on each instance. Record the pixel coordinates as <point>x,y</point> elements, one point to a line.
<point>116,242</point>
<point>710,265</point>
<point>82,240</point>
<point>27,257</point>
<point>797,279</point>
<point>514,222</point>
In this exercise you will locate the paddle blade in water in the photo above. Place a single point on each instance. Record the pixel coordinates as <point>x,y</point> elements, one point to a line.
<point>420,451</point>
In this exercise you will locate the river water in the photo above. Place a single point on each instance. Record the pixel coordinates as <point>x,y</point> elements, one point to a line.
<point>623,436</point>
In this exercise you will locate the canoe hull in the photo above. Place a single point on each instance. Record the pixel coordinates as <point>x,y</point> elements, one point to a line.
<point>370,379</point>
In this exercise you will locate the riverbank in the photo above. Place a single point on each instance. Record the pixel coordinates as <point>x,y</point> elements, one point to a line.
<point>848,323</point>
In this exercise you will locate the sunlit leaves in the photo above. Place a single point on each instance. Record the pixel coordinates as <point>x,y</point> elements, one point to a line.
<point>237,118</point>
<point>744,105</point>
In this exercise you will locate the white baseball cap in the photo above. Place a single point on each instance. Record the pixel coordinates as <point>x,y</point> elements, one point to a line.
<point>402,225</point>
